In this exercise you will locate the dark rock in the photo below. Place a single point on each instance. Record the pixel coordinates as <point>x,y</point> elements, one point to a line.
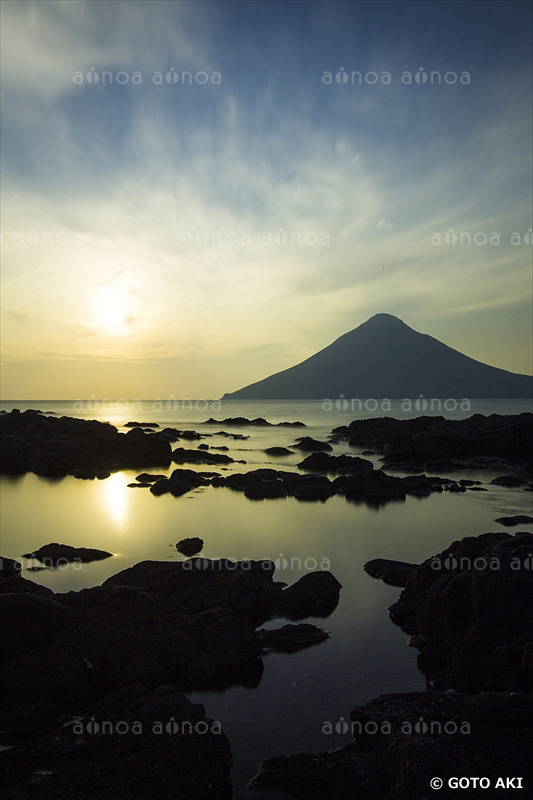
<point>182,456</point>
<point>85,474</point>
<point>310,445</point>
<point>395,573</point>
<point>313,487</point>
<point>471,609</point>
<point>264,489</point>
<point>141,425</point>
<point>137,743</point>
<point>53,554</point>
<point>50,465</point>
<point>259,421</point>
<point>315,594</point>
<point>278,451</point>
<point>9,568</point>
<point>327,463</point>
<point>191,546</point>
<point>189,476</point>
<point>519,519</point>
<point>402,741</point>
<point>57,446</point>
<point>508,480</point>
<point>374,487</point>
<point>291,638</point>
<point>437,444</point>
<point>147,477</point>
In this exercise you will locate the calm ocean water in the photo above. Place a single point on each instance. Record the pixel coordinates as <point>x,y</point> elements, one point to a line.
<point>366,654</point>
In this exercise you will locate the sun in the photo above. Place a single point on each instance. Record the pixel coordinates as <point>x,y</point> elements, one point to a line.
<point>112,310</point>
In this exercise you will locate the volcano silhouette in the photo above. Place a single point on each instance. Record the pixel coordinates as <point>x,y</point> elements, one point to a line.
<point>385,358</point>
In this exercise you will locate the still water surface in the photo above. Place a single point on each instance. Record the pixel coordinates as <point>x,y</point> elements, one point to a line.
<point>366,654</point>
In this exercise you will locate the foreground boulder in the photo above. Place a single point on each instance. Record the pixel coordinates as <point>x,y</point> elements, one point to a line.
<point>470,609</point>
<point>134,744</point>
<point>403,741</point>
<point>191,623</point>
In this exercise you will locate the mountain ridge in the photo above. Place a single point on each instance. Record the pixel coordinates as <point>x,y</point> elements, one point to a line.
<point>385,358</point>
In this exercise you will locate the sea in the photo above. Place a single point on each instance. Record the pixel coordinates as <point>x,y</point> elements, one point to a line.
<point>302,701</point>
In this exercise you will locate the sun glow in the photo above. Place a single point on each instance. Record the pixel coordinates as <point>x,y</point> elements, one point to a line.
<point>112,311</point>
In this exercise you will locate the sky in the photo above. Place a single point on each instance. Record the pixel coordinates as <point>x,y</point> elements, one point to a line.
<point>196,195</point>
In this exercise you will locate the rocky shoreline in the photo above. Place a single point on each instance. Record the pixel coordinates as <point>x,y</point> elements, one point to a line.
<point>470,611</point>
<point>127,652</point>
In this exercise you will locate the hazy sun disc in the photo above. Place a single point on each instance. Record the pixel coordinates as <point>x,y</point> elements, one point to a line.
<point>112,310</point>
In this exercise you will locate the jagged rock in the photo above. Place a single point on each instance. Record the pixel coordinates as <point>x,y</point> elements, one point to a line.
<point>471,609</point>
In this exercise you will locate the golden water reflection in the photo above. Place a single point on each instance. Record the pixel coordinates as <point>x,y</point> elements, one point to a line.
<point>115,499</point>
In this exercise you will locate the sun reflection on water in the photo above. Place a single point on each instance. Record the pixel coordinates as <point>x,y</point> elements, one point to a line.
<point>115,498</point>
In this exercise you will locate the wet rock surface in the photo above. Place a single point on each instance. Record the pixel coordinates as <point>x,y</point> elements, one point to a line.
<point>136,743</point>
<point>471,609</point>
<point>402,741</point>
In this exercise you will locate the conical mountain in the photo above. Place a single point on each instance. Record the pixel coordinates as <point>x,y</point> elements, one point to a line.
<point>385,358</point>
